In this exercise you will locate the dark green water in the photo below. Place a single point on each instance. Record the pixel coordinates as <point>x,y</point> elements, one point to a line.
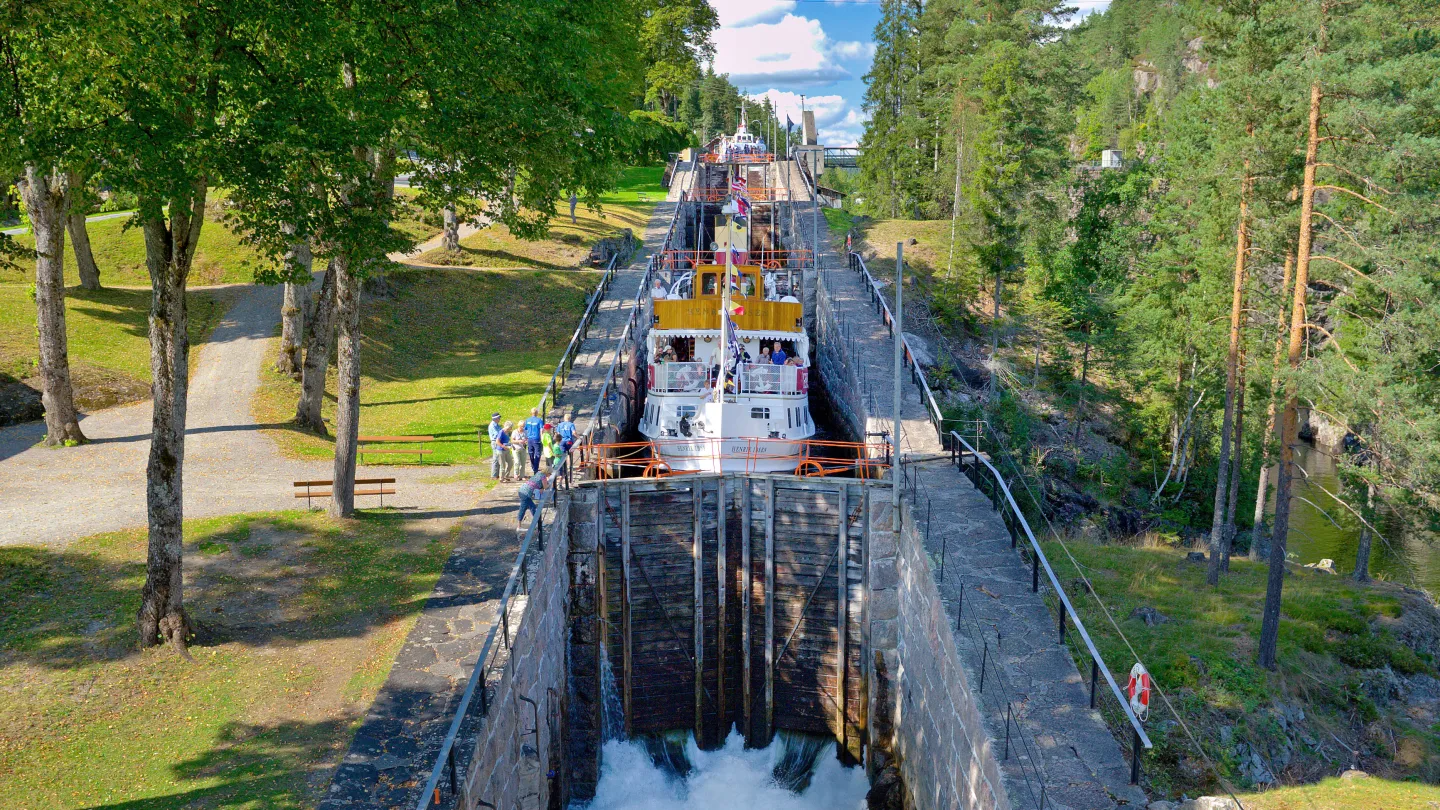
<point>1320,528</point>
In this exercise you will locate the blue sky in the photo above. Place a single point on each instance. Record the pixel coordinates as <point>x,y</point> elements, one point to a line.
<point>820,49</point>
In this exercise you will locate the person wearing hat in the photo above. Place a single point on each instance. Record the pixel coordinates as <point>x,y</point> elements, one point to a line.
<point>494,429</point>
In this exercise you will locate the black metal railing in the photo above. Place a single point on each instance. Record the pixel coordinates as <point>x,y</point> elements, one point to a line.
<point>917,374</point>
<point>1029,763</point>
<point>989,480</point>
<point>447,777</point>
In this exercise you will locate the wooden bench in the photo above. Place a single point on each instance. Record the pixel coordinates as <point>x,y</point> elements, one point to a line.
<point>378,486</point>
<point>420,451</point>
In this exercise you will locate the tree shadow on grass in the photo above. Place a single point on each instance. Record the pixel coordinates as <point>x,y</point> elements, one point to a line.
<point>282,578</point>
<point>280,765</point>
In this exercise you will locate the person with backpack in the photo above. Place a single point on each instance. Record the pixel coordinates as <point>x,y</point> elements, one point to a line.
<point>531,493</point>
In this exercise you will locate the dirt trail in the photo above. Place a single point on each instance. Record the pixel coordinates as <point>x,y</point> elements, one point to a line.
<point>54,495</point>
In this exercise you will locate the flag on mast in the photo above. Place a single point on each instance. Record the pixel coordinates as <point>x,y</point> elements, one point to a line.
<point>739,184</point>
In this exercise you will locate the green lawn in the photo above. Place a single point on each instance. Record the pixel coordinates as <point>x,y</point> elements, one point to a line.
<point>108,339</point>
<point>1370,793</point>
<point>567,245</point>
<point>222,257</point>
<point>300,618</point>
<point>451,347</point>
<point>1334,635</point>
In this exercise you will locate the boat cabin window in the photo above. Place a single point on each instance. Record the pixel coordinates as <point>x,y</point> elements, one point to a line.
<point>759,413</point>
<point>685,411</point>
<point>675,350</point>
<point>709,283</point>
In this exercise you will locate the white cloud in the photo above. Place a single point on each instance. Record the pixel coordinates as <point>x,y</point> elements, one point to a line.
<point>854,50</point>
<point>846,131</point>
<point>828,109</point>
<point>740,13</point>
<point>794,50</point>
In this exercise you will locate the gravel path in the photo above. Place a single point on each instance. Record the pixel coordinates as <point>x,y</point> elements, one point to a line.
<point>51,496</point>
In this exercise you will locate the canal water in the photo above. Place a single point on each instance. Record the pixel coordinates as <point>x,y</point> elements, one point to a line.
<point>1320,529</point>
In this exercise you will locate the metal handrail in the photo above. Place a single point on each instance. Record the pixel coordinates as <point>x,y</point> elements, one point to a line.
<point>1067,608</point>
<point>567,360</point>
<point>429,797</point>
<point>932,408</point>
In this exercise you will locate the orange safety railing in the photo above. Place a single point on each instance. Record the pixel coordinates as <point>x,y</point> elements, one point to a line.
<point>813,458</point>
<point>740,157</point>
<point>768,259</point>
<point>753,194</point>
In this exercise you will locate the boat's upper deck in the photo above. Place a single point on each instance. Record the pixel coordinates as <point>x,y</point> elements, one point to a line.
<point>759,312</point>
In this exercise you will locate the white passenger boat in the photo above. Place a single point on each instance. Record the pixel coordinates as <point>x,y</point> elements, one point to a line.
<point>728,405</point>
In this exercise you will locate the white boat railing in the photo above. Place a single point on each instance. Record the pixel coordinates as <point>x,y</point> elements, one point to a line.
<point>756,378</point>
<point>681,377</point>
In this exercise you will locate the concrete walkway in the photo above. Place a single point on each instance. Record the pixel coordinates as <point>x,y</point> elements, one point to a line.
<point>51,496</point>
<point>592,362</point>
<point>395,747</point>
<point>1004,625</point>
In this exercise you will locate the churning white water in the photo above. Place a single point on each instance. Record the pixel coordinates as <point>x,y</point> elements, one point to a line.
<point>793,773</point>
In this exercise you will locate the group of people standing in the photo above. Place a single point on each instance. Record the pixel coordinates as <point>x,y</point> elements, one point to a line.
<point>543,443</point>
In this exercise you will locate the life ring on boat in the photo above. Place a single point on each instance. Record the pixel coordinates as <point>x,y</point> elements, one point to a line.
<point>773,264</point>
<point>656,469</point>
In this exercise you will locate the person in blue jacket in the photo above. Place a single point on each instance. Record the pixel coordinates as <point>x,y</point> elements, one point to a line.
<point>566,431</point>
<point>778,356</point>
<point>533,427</point>
<point>494,431</point>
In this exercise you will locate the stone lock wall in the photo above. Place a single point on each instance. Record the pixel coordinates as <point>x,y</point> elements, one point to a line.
<point>518,761</point>
<point>925,723</point>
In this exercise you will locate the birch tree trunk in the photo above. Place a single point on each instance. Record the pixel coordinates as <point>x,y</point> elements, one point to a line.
<point>317,356</point>
<point>169,251</point>
<point>347,410</point>
<point>452,230</point>
<point>1084,375</point>
<point>1362,553</point>
<point>1290,418</point>
<point>47,199</point>
<point>1266,459</point>
<point>84,257</point>
<point>1232,371</point>
<point>292,309</point>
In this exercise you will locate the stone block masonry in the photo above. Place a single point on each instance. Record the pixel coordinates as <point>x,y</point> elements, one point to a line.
<point>518,752</point>
<point>925,720</point>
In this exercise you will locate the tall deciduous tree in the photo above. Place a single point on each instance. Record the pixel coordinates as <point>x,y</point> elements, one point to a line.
<point>51,104</point>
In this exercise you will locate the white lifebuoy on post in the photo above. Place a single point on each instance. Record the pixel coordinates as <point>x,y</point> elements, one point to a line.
<point>1139,691</point>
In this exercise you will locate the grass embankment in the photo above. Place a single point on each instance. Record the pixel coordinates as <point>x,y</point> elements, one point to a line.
<point>108,339</point>
<point>567,245</point>
<point>448,349</point>
<point>1340,653</point>
<point>300,615</point>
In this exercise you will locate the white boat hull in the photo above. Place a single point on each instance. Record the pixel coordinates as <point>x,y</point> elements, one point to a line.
<point>730,455</point>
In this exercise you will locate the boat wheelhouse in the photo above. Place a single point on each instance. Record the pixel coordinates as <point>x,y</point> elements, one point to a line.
<point>714,405</point>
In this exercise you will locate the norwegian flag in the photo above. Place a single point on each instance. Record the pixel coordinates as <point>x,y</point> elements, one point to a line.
<point>735,260</point>
<point>738,185</point>
<point>742,207</point>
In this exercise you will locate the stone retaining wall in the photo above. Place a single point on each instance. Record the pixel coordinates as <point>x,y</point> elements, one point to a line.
<point>925,720</point>
<point>518,752</point>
